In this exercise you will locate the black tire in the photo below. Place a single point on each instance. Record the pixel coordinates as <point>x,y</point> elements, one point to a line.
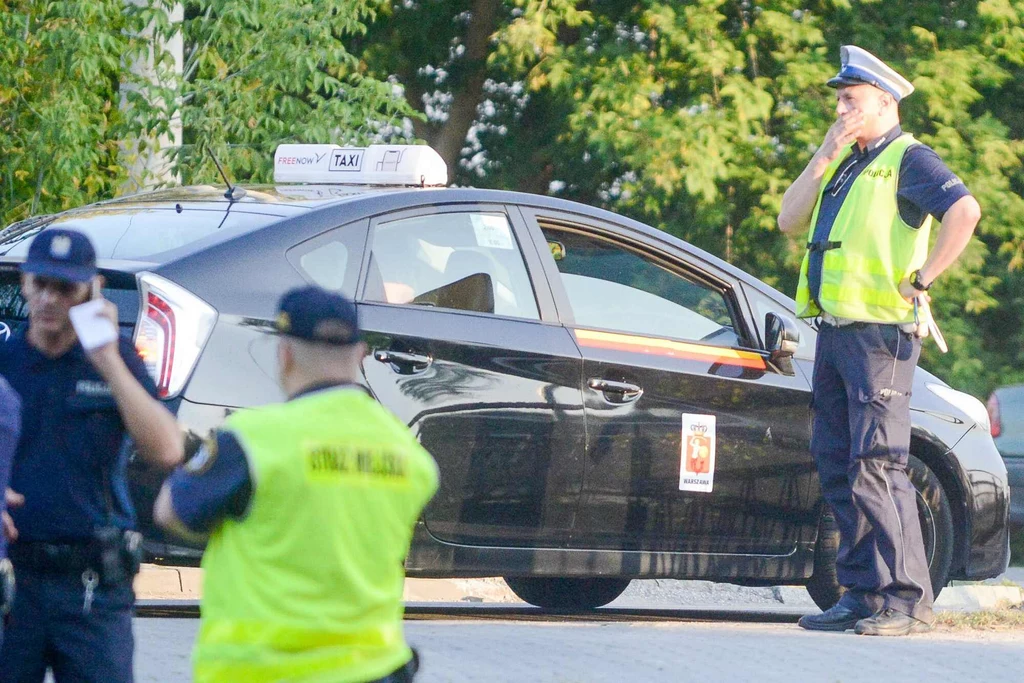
<point>936,517</point>
<point>561,593</point>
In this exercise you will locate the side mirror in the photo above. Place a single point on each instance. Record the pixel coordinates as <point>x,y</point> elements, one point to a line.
<point>781,341</point>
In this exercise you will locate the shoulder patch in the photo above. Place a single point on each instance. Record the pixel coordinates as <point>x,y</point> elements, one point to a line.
<point>204,458</point>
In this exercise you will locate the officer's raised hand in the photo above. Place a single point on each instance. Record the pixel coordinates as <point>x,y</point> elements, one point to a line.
<point>799,200</point>
<point>105,358</point>
<point>843,132</point>
<point>157,437</point>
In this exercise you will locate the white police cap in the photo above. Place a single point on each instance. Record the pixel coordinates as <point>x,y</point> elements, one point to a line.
<point>860,66</point>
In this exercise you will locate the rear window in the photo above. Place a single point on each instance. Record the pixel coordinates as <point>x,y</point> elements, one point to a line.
<point>139,234</point>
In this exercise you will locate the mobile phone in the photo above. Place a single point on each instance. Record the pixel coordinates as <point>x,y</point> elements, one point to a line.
<point>96,293</point>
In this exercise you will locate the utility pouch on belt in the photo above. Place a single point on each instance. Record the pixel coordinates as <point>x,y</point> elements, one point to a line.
<point>6,586</point>
<point>120,554</point>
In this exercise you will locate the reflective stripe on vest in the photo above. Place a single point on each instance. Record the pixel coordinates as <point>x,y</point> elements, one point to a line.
<point>878,250</point>
<point>308,586</point>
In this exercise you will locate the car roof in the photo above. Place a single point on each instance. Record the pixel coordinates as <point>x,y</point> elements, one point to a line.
<point>255,198</point>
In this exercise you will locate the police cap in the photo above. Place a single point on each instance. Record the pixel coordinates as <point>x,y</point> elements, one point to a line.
<point>860,67</point>
<point>317,315</point>
<point>62,255</point>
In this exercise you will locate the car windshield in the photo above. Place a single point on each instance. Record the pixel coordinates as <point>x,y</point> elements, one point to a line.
<point>137,234</point>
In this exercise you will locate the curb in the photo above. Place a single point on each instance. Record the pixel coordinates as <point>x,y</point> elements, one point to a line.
<point>979,597</point>
<point>183,583</point>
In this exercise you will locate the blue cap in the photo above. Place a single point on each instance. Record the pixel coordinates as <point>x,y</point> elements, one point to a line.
<point>62,255</point>
<point>316,315</point>
<point>860,67</point>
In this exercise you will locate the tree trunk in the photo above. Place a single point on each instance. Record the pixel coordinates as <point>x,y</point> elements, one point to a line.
<point>449,138</point>
<point>152,167</point>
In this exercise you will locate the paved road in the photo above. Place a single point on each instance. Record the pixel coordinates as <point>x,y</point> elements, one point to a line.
<point>685,649</point>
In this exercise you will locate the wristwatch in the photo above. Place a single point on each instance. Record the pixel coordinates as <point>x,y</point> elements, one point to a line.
<point>915,281</point>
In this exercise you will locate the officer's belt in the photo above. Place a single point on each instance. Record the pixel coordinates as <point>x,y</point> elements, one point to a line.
<point>836,321</point>
<point>823,246</point>
<point>55,558</point>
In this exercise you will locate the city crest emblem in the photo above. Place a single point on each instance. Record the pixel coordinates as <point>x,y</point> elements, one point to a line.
<point>697,459</point>
<point>60,247</point>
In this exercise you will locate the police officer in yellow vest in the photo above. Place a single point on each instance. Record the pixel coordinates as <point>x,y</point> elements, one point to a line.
<point>866,200</point>
<point>309,506</point>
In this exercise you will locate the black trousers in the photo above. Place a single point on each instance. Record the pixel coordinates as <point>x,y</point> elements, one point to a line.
<point>48,630</point>
<point>863,375</point>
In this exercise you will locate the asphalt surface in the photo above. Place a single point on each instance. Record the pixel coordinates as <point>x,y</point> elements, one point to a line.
<point>496,644</point>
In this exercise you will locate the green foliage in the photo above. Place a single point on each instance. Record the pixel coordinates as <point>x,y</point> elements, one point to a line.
<point>261,73</point>
<point>61,70</point>
<point>696,116</point>
<point>693,116</point>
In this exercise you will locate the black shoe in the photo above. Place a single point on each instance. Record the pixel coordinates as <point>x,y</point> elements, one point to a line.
<point>889,622</point>
<point>835,618</point>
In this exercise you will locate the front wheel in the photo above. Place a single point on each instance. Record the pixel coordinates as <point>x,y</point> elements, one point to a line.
<point>936,518</point>
<point>563,593</point>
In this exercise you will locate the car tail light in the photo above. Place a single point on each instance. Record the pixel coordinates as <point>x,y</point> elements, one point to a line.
<point>174,326</point>
<point>993,415</point>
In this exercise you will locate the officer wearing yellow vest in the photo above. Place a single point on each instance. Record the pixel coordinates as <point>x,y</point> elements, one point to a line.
<point>309,506</point>
<point>867,198</point>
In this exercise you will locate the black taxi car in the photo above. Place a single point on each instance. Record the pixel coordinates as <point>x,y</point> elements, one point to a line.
<point>605,401</point>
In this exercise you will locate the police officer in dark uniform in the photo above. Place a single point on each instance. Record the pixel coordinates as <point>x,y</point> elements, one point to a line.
<point>867,199</point>
<point>74,556</point>
<point>10,427</point>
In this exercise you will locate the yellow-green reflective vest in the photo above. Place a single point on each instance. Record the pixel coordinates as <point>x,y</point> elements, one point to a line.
<point>860,279</point>
<point>308,586</point>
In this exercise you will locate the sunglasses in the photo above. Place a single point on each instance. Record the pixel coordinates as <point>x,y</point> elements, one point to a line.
<point>58,287</point>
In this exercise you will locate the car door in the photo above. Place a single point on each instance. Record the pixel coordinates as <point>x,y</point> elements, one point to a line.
<point>695,442</point>
<point>468,352</point>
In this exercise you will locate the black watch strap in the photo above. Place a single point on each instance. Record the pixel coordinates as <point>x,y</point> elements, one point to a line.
<point>915,281</point>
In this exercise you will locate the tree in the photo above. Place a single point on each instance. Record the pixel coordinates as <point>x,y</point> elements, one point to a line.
<point>61,79</point>
<point>691,116</point>
<point>264,73</point>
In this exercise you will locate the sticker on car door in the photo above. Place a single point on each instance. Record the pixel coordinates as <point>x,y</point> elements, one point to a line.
<point>697,461</point>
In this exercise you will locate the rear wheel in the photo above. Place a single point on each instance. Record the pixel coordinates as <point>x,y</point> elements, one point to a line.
<point>936,518</point>
<point>563,593</point>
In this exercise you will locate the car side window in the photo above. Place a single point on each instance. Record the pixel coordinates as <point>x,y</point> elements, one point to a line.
<point>331,259</point>
<point>612,287</point>
<point>467,261</point>
<point>326,264</point>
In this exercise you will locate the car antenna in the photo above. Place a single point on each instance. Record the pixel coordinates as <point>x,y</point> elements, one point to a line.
<point>233,193</point>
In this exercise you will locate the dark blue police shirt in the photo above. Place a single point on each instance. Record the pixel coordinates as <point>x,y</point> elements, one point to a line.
<point>925,186</point>
<point>10,427</point>
<point>216,483</point>
<point>73,455</point>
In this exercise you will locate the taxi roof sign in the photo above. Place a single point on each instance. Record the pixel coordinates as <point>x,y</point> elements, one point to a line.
<point>401,165</point>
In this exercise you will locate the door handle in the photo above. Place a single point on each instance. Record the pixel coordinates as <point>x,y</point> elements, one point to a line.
<point>623,392</point>
<point>409,361</point>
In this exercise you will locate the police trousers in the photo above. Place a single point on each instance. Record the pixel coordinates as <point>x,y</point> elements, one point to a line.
<point>863,375</point>
<point>49,629</point>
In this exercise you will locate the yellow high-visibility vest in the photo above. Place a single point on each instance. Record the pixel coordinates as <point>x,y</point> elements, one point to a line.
<point>871,249</point>
<point>308,586</point>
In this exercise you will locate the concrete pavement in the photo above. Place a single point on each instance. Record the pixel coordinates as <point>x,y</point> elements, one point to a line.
<point>497,651</point>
